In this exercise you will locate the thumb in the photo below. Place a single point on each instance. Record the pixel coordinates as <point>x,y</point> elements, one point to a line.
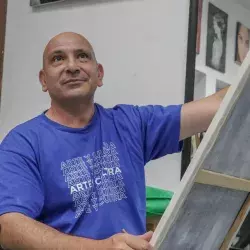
<point>147,236</point>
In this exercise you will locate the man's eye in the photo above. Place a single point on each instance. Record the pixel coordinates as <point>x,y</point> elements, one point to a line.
<point>83,56</point>
<point>57,58</point>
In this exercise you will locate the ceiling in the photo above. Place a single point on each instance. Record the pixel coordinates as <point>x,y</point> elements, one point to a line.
<point>244,3</point>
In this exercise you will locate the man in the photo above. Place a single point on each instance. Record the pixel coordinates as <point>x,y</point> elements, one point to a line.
<point>73,177</point>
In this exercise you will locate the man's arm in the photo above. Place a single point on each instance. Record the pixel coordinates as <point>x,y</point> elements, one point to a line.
<point>196,116</point>
<point>20,232</point>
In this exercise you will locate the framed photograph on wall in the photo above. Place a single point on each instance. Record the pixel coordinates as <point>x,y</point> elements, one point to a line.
<point>42,2</point>
<point>216,38</point>
<point>198,36</point>
<point>241,42</point>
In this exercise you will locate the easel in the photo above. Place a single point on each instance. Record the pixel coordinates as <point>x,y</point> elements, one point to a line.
<point>214,181</point>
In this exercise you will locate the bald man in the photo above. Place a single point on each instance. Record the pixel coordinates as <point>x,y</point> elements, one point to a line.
<point>73,177</point>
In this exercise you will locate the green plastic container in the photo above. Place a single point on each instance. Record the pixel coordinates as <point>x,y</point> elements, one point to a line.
<point>157,200</point>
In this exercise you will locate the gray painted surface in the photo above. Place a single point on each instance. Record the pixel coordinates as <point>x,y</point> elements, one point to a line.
<point>204,219</point>
<point>231,153</point>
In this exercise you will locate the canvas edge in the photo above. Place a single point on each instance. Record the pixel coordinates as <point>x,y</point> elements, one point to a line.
<point>171,213</point>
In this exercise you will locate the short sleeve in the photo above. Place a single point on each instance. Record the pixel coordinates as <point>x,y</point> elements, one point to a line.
<point>21,187</point>
<point>161,130</point>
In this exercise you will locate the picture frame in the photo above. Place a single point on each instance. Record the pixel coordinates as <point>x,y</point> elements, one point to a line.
<point>36,3</point>
<point>217,26</point>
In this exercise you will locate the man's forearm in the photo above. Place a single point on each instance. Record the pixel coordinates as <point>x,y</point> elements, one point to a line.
<point>20,232</point>
<point>197,115</point>
<point>221,93</point>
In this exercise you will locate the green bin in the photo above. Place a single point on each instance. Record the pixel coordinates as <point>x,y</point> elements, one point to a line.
<point>157,200</point>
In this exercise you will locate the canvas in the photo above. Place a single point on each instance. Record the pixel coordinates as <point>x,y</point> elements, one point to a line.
<point>205,212</point>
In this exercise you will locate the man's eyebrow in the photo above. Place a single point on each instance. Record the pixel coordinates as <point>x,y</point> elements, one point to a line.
<point>56,52</point>
<point>88,51</point>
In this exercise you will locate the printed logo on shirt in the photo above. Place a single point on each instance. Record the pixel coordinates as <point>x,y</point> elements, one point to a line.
<point>94,179</point>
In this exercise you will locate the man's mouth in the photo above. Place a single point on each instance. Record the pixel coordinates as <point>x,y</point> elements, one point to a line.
<point>74,80</point>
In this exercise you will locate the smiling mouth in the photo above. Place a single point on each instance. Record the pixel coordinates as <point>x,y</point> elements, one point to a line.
<point>72,81</point>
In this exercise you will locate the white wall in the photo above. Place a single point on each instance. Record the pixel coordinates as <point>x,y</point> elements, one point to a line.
<point>235,13</point>
<point>141,43</point>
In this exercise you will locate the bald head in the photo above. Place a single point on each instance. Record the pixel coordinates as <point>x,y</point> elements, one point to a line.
<point>70,70</point>
<point>68,39</point>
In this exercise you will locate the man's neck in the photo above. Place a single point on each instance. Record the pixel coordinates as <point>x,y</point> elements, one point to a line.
<point>74,117</point>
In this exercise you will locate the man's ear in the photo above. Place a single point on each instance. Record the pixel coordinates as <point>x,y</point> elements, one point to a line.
<point>100,74</point>
<point>42,79</point>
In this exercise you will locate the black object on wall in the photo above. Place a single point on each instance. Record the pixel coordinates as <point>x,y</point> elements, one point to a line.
<point>190,75</point>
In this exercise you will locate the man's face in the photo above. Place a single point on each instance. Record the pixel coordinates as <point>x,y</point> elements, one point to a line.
<point>70,70</point>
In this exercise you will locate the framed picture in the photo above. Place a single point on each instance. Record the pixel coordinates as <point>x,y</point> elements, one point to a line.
<point>241,42</point>
<point>42,2</point>
<point>198,36</point>
<point>216,38</point>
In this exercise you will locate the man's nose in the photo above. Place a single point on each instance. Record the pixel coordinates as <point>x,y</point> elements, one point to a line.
<point>72,67</point>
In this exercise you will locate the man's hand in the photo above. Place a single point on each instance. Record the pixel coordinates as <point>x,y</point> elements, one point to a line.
<point>125,241</point>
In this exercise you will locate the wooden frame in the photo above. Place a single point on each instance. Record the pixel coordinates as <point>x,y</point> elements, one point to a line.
<point>236,225</point>
<point>222,180</point>
<point>171,214</point>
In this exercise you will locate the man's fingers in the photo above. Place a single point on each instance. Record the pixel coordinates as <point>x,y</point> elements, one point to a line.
<point>124,246</point>
<point>137,243</point>
<point>128,248</point>
<point>147,236</point>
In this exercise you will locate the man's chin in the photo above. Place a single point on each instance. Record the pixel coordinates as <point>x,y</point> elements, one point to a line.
<point>77,96</point>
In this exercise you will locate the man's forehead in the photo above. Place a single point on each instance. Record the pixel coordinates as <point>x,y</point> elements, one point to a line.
<point>67,41</point>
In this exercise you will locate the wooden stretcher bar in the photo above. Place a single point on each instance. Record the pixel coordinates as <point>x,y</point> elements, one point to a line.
<point>222,180</point>
<point>236,225</point>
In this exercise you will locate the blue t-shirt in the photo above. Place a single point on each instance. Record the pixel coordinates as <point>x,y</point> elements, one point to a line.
<point>89,181</point>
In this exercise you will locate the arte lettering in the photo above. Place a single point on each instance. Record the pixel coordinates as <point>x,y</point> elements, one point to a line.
<point>83,186</point>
